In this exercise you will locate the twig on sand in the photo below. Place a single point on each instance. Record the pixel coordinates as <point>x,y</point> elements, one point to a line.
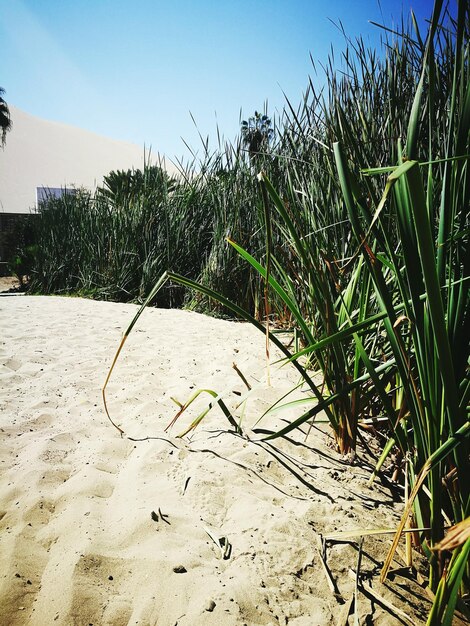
<point>155,517</point>
<point>221,541</point>
<point>357,582</point>
<point>330,581</point>
<point>367,590</point>
<point>234,365</point>
<point>345,611</point>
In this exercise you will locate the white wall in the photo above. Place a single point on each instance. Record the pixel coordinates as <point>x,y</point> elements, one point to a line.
<point>39,153</point>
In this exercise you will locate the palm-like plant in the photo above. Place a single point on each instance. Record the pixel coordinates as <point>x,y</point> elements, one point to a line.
<point>257,133</point>
<point>122,186</point>
<point>5,119</point>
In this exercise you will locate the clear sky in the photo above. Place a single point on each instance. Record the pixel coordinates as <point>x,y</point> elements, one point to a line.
<point>135,70</point>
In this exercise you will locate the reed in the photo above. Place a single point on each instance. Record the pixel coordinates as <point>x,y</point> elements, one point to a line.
<point>408,264</point>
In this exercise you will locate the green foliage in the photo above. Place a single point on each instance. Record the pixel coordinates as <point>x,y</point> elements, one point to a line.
<point>19,245</point>
<point>152,182</point>
<point>22,263</point>
<point>5,119</point>
<point>113,244</point>
<point>257,133</point>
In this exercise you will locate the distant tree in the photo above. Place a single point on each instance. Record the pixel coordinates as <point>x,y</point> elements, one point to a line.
<point>5,119</point>
<point>257,134</point>
<point>121,185</point>
<point>118,184</point>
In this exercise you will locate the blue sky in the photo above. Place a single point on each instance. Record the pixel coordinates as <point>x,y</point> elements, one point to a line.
<point>135,70</point>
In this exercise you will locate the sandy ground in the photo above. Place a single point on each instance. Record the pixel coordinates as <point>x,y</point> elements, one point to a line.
<point>7,283</point>
<point>98,529</point>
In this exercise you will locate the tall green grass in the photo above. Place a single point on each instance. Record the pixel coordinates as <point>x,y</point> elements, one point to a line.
<point>114,244</point>
<point>406,265</point>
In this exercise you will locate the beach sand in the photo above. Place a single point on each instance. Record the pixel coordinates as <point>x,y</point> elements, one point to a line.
<point>98,529</point>
<point>8,283</point>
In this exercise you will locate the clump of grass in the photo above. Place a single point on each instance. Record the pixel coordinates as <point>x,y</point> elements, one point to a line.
<point>113,244</point>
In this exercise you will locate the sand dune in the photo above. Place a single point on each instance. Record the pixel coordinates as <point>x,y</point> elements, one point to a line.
<point>98,529</point>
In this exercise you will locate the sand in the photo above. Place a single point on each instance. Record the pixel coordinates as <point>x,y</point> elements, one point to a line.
<point>8,283</point>
<point>98,529</point>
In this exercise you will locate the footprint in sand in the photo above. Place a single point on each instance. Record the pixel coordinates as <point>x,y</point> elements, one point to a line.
<point>102,488</point>
<point>111,454</point>
<point>40,512</point>
<point>22,576</point>
<point>91,483</point>
<point>40,422</point>
<point>24,370</point>
<point>13,364</point>
<point>41,403</point>
<point>98,597</point>
<point>63,441</point>
<point>107,468</point>
<point>32,370</point>
<point>55,476</point>
<point>53,456</point>
<point>210,499</point>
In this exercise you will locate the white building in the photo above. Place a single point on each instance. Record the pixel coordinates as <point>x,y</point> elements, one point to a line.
<point>39,153</point>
